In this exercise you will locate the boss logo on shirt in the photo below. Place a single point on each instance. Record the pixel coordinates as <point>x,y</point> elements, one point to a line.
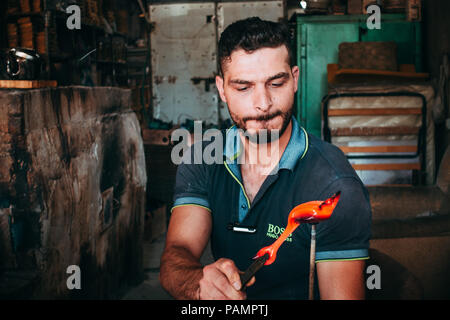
<point>274,231</point>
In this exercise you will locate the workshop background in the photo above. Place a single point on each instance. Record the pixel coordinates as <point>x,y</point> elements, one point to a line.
<point>86,117</point>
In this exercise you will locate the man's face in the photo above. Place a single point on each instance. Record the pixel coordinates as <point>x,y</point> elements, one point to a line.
<point>259,89</point>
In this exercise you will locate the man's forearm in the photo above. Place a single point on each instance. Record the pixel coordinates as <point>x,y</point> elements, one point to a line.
<point>180,273</point>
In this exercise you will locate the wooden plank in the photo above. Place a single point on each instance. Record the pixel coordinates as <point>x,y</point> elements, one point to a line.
<point>378,149</point>
<point>373,111</point>
<point>397,74</point>
<point>156,136</point>
<point>27,84</point>
<point>374,131</point>
<point>386,166</point>
<point>406,72</point>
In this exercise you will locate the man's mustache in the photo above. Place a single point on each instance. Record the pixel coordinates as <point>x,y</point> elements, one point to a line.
<point>263,117</point>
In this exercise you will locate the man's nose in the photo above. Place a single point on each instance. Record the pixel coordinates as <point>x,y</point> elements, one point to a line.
<point>262,99</point>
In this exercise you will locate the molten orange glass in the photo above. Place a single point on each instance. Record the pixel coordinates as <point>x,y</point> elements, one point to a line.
<point>308,212</point>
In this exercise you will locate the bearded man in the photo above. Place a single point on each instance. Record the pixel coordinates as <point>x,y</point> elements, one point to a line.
<point>242,205</point>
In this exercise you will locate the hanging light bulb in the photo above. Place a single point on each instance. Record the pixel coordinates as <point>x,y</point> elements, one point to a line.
<point>303,4</point>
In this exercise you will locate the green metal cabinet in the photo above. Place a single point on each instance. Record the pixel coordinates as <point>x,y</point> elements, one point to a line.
<point>317,42</point>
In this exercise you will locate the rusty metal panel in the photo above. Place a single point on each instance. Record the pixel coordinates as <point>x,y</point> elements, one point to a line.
<point>228,12</point>
<point>183,60</point>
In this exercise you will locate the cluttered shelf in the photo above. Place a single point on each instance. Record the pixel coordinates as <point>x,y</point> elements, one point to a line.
<point>63,15</point>
<point>40,25</point>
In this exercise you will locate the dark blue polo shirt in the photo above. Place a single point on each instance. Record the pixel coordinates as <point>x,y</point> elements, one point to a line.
<point>309,169</point>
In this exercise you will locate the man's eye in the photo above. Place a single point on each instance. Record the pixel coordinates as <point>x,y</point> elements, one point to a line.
<point>277,84</point>
<point>242,88</point>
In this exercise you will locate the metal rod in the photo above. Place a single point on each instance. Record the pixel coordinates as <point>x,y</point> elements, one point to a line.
<point>252,269</point>
<point>312,262</point>
<point>84,57</point>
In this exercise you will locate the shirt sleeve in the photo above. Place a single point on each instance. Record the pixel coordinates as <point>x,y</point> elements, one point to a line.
<point>191,184</point>
<point>345,236</point>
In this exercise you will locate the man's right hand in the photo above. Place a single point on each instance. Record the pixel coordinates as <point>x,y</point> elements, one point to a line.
<point>221,281</point>
<point>181,273</point>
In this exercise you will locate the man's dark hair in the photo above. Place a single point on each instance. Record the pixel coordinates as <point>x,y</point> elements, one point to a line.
<point>251,34</point>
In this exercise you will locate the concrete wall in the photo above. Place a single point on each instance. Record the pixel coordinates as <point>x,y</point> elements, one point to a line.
<point>72,191</point>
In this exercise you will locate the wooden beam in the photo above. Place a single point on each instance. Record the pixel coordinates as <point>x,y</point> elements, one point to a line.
<point>27,84</point>
<point>374,112</point>
<point>378,149</point>
<point>386,166</point>
<point>156,136</point>
<point>374,131</point>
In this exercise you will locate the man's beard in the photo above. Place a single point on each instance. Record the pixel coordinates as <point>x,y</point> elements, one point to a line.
<point>259,137</point>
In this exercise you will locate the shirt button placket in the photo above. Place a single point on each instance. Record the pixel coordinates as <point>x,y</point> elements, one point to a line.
<point>243,208</point>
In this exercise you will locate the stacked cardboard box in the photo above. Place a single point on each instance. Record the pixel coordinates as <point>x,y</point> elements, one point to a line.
<point>26,32</point>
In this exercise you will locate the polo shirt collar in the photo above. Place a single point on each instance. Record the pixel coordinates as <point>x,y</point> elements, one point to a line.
<point>295,149</point>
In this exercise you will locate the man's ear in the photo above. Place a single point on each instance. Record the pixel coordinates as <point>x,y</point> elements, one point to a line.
<point>295,74</point>
<point>219,85</point>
